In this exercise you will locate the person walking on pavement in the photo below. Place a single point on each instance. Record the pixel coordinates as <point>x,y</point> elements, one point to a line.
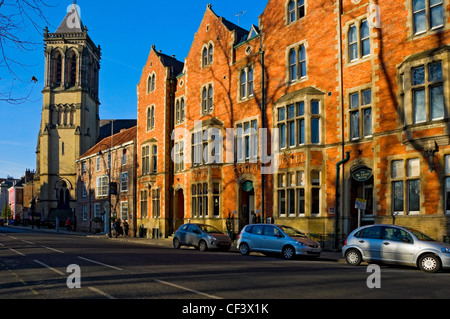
<point>117,227</point>
<point>69,224</point>
<point>125,228</point>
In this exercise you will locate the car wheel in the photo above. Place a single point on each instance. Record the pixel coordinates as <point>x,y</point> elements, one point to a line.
<point>244,249</point>
<point>176,243</point>
<point>202,246</point>
<point>288,252</point>
<point>429,263</point>
<point>353,257</point>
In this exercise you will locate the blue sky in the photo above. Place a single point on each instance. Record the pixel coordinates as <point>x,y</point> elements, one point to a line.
<point>125,31</point>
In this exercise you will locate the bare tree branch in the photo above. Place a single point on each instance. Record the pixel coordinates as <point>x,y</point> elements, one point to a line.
<point>17,17</point>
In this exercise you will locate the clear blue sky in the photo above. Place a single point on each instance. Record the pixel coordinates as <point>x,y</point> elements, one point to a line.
<point>125,31</point>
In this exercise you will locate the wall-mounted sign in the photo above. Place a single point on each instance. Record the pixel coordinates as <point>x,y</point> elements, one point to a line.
<point>247,186</point>
<point>362,175</point>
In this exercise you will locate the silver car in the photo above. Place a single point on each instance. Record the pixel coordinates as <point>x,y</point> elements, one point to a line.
<point>201,236</point>
<point>267,238</point>
<point>395,244</point>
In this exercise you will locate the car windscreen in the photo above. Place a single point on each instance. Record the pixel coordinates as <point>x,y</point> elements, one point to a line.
<point>420,236</point>
<point>209,229</point>
<point>292,231</point>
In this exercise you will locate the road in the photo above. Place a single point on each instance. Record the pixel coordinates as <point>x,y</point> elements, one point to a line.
<point>34,265</point>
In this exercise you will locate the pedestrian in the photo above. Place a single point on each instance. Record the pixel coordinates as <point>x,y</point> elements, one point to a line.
<point>125,228</point>
<point>116,226</point>
<point>69,224</point>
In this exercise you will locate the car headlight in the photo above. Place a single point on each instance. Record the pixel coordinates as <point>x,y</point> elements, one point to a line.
<point>300,243</point>
<point>445,250</point>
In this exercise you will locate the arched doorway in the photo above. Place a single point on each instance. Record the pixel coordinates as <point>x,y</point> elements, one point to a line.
<point>361,197</point>
<point>247,213</point>
<point>179,208</point>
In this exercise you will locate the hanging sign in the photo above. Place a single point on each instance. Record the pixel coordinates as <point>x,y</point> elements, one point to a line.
<point>247,186</point>
<point>362,175</point>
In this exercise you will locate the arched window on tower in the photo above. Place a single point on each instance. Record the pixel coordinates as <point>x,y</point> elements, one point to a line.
<point>72,70</point>
<point>57,65</point>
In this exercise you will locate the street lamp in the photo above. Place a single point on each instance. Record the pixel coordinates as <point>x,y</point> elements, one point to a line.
<point>109,185</point>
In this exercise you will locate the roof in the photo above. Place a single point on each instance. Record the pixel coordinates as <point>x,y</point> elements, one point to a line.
<point>123,137</point>
<point>72,22</point>
<point>176,67</point>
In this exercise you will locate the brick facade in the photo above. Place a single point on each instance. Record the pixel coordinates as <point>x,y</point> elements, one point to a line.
<point>334,82</point>
<point>113,160</point>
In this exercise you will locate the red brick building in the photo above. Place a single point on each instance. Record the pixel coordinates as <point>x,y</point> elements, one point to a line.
<point>345,87</point>
<point>106,174</point>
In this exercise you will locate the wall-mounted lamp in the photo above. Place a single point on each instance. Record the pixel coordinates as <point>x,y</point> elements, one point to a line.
<point>430,155</point>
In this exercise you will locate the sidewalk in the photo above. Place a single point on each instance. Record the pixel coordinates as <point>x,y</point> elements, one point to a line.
<point>162,242</point>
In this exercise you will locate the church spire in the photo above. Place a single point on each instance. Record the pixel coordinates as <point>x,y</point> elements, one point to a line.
<point>72,21</point>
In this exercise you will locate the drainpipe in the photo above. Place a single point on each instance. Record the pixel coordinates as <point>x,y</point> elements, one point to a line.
<point>263,109</point>
<point>336,207</point>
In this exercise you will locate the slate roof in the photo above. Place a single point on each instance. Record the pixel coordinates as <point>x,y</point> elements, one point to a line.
<point>176,67</point>
<point>124,136</point>
<point>72,22</point>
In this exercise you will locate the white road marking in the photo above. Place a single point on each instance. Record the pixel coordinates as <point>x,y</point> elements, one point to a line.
<point>49,248</point>
<point>187,289</point>
<point>17,252</point>
<point>99,263</point>
<point>101,293</point>
<point>51,268</point>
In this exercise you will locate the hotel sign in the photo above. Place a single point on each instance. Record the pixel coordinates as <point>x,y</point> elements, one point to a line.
<point>362,175</point>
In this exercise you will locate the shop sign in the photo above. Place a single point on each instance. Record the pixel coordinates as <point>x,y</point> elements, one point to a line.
<point>362,175</point>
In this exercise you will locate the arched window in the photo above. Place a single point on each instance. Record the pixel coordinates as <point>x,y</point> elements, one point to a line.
<point>205,57</point>
<point>250,81</point>
<point>205,100</point>
<point>302,61</point>
<point>182,110</point>
<point>210,54</point>
<point>150,118</point>
<point>151,83</point>
<point>210,98</point>
<point>293,65</point>
<point>243,83</point>
<point>295,10</point>
<point>177,112</point>
<point>352,43</point>
<point>72,70</point>
<point>291,11</point>
<point>57,67</point>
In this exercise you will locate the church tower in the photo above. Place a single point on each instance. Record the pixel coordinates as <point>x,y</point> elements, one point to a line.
<point>70,114</point>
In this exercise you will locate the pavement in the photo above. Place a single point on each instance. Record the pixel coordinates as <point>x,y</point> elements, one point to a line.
<point>327,255</point>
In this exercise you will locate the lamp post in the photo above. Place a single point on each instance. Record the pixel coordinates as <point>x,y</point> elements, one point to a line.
<point>109,185</point>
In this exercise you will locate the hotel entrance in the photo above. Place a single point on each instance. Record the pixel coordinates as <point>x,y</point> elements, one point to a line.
<point>361,198</point>
<point>247,213</point>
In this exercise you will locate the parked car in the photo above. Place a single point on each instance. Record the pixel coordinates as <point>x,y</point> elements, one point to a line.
<point>268,238</point>
<point>396,244</point>
<point>201,236</point>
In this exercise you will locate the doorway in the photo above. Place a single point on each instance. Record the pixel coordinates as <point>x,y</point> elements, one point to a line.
<point>361,203</point>
<point>247,213</point>
<point>179,209</point>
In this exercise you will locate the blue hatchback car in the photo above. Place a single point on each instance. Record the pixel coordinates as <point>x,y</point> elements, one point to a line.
<point>268,238</point>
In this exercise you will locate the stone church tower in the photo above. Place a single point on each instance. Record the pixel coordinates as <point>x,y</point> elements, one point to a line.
<point>70,114</point>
